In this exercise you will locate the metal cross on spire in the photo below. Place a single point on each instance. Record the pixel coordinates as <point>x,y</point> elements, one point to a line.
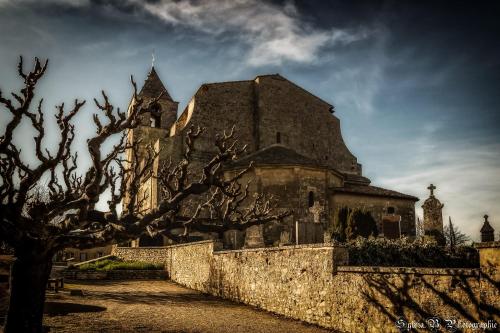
<point>432,188</point>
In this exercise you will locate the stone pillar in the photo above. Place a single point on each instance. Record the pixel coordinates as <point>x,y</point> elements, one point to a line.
<point>487,231</point>
<point>433,214</point>
<point>489,261</point>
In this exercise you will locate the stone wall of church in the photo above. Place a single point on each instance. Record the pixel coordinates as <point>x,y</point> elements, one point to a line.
<point>311,283</point>
<point>304,122</point>
<point>263,108</point>
<point>378,207</point>
<point>291,188</point>
<point>218,107</point>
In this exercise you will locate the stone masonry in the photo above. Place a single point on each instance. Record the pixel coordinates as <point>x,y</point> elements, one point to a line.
<point>312,283</point>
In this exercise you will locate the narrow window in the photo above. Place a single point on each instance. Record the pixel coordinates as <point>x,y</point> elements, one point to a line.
<point>326,157</point>
<point>278,137</point>
<point>155,120</point>
<point>310,199</point>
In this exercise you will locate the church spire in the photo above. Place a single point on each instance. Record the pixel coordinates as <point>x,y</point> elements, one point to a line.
<point>153,86</point>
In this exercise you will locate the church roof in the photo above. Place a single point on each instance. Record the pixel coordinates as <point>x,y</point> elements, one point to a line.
<point>153,86</point>
<point>356,179</point>
<point>373,191</point>
<point>275,154</point>
<point>487,227</point>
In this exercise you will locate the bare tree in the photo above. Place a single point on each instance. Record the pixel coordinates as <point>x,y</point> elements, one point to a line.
<point>36,228</point>
<point>454,237</point>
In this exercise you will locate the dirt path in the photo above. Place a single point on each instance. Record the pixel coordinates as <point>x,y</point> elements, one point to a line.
<point>157,306</point>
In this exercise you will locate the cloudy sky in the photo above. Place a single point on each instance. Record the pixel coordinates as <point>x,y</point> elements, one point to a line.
<point>417,87</point>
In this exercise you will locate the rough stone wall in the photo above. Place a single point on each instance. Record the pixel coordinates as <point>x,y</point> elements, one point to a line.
<point>93,253</point>
<point>489,259</point>
<point>290,187</point>
<point>218,107</point>
<point>263,107</point>
<point>304,122</point>
<point>192,257</point>
<point>155,255</point>
<point>309,283</point>
<point>378,207</point>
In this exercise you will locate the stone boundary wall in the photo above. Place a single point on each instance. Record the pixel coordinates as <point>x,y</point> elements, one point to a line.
<point>132,274</point>
<point>155,255</point>
<point>312,283</point>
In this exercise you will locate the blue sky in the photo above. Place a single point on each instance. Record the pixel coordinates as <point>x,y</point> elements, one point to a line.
<point>416,86</point>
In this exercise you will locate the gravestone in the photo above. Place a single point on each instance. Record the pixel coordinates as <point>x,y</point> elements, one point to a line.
<point>254,237</point>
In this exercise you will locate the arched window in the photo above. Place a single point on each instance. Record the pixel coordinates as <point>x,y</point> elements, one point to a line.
<point>310,199</point>
<point>278,137</point>
<point>155,120</point>
<point>391,210</point>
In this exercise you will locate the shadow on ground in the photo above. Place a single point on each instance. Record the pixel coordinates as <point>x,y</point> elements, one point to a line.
<point>63,308</point>
<point>173,296</point>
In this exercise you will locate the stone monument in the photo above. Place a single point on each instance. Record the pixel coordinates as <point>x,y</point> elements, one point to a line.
<point>433,214</point>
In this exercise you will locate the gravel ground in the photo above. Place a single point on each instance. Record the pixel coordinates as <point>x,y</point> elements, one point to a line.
<point>156,306</point>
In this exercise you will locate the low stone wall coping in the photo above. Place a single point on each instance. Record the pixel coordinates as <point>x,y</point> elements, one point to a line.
<point>89,261</point>
<point>166,247</point>
<point>410,270</point>
<point>484,245</point>
<point>283,248</point>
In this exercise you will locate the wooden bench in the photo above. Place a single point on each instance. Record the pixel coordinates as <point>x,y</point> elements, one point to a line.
<point>56,282</point>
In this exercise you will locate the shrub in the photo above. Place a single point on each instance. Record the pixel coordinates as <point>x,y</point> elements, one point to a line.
<point>409,253</point>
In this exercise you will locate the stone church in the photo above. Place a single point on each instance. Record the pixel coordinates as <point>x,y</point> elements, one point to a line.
<point>295,141</point>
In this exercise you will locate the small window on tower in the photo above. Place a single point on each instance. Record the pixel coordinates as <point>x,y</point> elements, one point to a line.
<point>155,120</point>
<point>310,199</point>
<point>278,137</point>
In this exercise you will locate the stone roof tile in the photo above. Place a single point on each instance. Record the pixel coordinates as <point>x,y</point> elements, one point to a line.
<point>373,190</point>
<point>275,154</point>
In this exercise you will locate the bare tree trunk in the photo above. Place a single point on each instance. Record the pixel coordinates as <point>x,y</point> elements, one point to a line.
<point>30,274</point>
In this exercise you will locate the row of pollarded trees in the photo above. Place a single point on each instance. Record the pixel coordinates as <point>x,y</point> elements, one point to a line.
<point>36,225</point>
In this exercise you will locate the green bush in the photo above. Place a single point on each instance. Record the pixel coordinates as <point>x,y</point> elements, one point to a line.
<point>116,264</point>
<point>409,253</point>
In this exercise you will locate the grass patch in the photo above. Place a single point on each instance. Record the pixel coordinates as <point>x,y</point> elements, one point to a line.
<point>116,264</point>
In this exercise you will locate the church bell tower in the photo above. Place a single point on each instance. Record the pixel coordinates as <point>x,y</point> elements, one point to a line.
<point>154,126</point>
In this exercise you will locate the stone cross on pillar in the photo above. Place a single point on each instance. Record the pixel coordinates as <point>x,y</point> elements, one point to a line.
<point>432,188</point>
<point>433,215</point>
<point>316,210</point>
